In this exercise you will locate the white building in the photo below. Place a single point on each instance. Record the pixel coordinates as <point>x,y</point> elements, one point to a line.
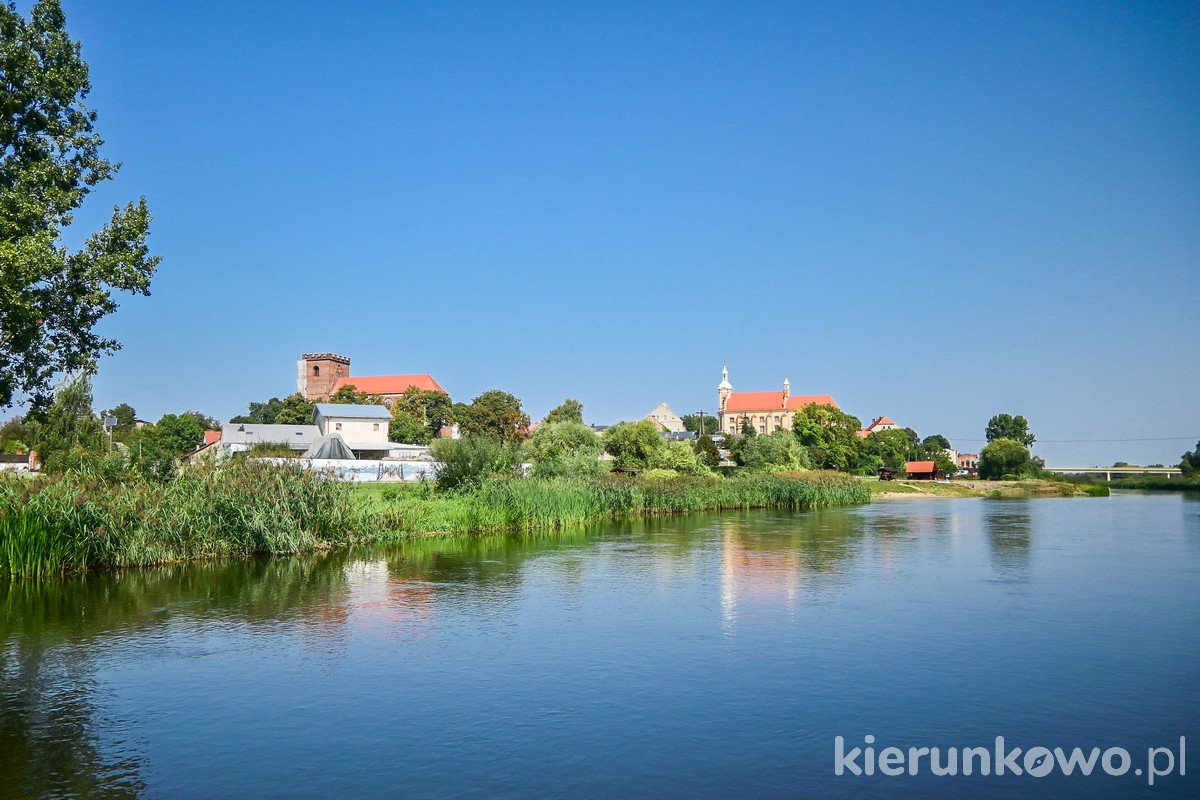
<point>364,428</point>
<point>665,417</point>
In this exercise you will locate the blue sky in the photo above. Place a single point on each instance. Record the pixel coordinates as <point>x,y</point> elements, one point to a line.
<point>933,211</point>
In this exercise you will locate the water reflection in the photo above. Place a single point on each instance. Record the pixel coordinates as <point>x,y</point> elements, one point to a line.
<point>1009,528</point>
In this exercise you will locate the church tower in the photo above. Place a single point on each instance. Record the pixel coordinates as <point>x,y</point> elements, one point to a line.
<point>723,390</point>
<point>316,374</point>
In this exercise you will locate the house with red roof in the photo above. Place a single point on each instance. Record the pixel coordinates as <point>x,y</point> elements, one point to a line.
<point>319,375</point>
<point>921,470</point>
<point>766,412</point>
<point>877,424</point>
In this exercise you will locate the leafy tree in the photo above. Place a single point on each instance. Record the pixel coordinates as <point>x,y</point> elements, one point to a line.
<point>776,452</point>
<point>408,429</point>
<point>890,448</point>
<point>294,410</point>
<point>68,432</point>
<point>944,464</point>
<point>1006,426</point>
<point>633,444</point>
<point>260,413</point>
<point>349,394</point>
<point>467,461</point>
<point>678,457</point>
<point>707,452</point>
<point>565,448</point>
<point>1189,464</point>
<point>1003,458</point>
<point>748,427</point>
<point>15,436</point>
<point>831,436</point>
<point>178,434</point>
<point>461,412</point>
<point>570,410</point>
<point>126,418</point>
<point>936,442</point>
<point>50,297</point>
<point>204,420</point>
<point>497,415</point>
<point>432,408</point>
<point>691,422</point>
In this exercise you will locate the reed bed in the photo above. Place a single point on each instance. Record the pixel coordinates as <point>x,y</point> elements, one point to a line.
<point>82,520</point>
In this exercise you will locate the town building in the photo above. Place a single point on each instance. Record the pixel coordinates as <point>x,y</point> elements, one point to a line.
<point>766,412</point>
<point>664,417</point>
<point>877,424</point>
<point>968,463</point>
<point>237,437</point>
<point>319,375</point>
<point>364,428</point>
<point>921,470</point>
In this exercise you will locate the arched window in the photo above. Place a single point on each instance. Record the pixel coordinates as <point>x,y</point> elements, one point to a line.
<point>316,370</point>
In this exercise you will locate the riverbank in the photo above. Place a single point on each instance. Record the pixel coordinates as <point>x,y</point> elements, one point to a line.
<point>975,488</point>
<point>83,521</point>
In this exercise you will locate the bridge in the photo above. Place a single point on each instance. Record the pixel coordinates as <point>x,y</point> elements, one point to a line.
<point>1108,472</point>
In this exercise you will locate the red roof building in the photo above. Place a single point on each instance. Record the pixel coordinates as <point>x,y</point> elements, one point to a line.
<point>921,470</point>
<point>877,424</point>
<point>319,375</point>
<point>389,387</point>
<point>766,412</point>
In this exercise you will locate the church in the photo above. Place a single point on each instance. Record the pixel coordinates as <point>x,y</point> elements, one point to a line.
<point>766,412</point>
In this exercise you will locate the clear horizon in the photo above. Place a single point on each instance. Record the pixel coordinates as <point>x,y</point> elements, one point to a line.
<point>935,214</point>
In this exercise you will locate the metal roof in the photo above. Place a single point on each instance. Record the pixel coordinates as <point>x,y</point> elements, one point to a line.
<point>249,433</point>
<point>351,411</point>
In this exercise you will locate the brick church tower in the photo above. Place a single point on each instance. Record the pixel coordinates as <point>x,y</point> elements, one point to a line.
<point>316,374</point>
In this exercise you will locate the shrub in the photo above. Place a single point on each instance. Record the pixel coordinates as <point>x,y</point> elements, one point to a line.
<point>469,460</point>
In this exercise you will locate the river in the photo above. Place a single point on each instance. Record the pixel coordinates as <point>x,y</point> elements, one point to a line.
<point>701,656</point>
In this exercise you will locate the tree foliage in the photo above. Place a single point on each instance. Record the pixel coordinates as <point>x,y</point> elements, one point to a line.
<point>691,422</point>
<point>408,429</point>
<point>465,462</point>
<point>831,436</point>
<point>1189,464</point>
<point>633,444</point>
<point>570,410</point>
<point>433,409</point>
<point>125,415</point>
<point>565,448</point>
<point>260,413</point>
<point>179,434</point>
<point>1003,458</point>
<point>779,451</point>
<point>68,432</point>
<point>349,394</point>
<point>1006,426</point>
<point>496,415</point>
<point>888,448</point>
<point>294,410</point>
<point>678,457</point>
<point>50,297</point>
<point>707,452</point>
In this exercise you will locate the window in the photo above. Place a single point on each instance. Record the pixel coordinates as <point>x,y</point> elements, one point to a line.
<point>777,420</point>
<point>316,370</point>
<point>337,426</point>
<point>376,426</point>
<point>762,419</point>
<point>762,428</point>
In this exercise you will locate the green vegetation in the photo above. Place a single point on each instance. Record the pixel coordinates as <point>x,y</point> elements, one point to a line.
<point>86,518</point>
<point>564,449</point>
<point>495,414</point>
<point>1028,487</point>
<point>570,410</point>
<point>50,161</point>
<point>1006,426</point>
<point>1003,458</point>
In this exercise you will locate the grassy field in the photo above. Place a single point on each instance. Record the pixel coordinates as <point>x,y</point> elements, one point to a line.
<point>62,524</point>
<point>995,489</point>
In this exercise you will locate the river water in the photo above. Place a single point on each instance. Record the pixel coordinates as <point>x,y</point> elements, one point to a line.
<point>702,656</point>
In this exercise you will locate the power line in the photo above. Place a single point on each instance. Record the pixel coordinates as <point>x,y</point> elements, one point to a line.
<point>1090,441</point>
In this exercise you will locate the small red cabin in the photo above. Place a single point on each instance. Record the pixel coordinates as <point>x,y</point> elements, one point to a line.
<point>921,470</point>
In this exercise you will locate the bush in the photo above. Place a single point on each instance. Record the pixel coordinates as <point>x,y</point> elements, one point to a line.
<point>1003,458</point>
<point>468,461</point>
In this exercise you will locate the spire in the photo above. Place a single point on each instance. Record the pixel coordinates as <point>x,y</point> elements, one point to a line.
<point>725,378</point>
<point>787,391</point>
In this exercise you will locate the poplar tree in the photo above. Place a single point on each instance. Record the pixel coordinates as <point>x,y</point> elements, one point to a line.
<point>51,298</point>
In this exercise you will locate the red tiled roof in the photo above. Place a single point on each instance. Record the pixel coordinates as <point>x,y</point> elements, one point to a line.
<point>212,436</point>
<point>920,466</point>
<point>389,384</point>
<point>771,401</point>
<point>864,433</point>
<point>882,421</point>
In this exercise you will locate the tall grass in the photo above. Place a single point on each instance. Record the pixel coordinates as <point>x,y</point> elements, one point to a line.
<point>533,504</point>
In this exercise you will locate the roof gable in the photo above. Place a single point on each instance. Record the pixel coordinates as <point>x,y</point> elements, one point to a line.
<point>389,384</point>
<point>920,466</point>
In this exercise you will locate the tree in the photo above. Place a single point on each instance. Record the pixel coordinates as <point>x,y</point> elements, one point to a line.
<point>1006,426</point>
<point>125,415</point>
<point>565,448</point>
<point>466,461</point>
<point>748,427</point>
<point>179,434</point>
<point>831,436</point>
<point>432,408</point>
<point>1003,458</point>
<point>408,429</point>
<point>570,410</point>
<point>890,447</point>
<point>294,410</point>
<point>691,422</point>
<point>1189,464</point>
<point>678,457</point>
<point>936,442</point>
<point>633,444</point>
<point>260,413</point>
<point>50,297</point>
<point>15,436</point>
<point>497,415</point>
<point>779,451</point>
<point>706,450</point>
<point>68,431</point>
<point>349,395</point>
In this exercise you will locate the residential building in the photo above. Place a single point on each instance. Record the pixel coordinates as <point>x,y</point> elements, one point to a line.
<point>364,428</point>
<point>666,418</point>
<point>767,412</point>
<point>968,463</point>
<point>237,438</point>
<point>877,424</point>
